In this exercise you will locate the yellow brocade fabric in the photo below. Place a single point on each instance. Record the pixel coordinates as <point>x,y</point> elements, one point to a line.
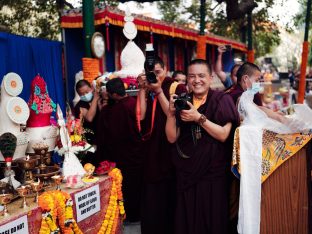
<point>276,149</point>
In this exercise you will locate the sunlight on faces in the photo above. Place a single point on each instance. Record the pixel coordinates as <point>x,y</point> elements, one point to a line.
<point>84,90</point>
<point>199,79</point>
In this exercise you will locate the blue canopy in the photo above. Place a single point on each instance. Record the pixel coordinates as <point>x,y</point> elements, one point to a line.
<point>30,56</point>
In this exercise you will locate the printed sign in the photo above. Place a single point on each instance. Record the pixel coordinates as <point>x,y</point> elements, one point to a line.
<point>87,202</point>
<point>18,226</point>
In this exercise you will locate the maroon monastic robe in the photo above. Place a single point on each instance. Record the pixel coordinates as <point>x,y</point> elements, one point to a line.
<point>202,179</point>
<point>236,91</point>
<point>118,140</point>
<point>159,188</point>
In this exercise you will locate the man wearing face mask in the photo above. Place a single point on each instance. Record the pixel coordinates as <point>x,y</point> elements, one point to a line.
<point>86,108</point>
<point>248,76</point>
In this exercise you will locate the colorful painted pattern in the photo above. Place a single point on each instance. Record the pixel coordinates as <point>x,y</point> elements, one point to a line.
<point>276,149</point>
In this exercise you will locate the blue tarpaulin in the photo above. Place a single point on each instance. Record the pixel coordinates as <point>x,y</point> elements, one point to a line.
<point>30,56</point>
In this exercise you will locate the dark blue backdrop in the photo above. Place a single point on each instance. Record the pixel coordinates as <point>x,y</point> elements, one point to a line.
<point>30,56</point>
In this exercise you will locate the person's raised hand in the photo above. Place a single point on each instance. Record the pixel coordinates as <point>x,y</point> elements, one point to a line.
<point>141,79</point>
<point>221,49</point>
<point>96,94</point>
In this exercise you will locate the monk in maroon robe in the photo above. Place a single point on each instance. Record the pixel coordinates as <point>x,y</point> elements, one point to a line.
<point>236,91</point>
<point>158,199</point>
<point>202,156</point>
<point>248,75</point>
<point>118,140</point>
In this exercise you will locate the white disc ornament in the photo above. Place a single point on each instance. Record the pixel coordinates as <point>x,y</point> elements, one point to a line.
<point>13,84</point>
<point>130,31</point>
<point>17,110</point>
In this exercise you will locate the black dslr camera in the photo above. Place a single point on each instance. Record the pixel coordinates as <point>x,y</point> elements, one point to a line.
<point>149,64</point>
<point>181,102</point>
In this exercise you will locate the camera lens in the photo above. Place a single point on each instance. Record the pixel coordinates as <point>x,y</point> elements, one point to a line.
<point>151,77</point>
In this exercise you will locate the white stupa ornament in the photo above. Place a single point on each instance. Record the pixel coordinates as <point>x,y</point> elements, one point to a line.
<point>14,112</point>
<point>132,58</point>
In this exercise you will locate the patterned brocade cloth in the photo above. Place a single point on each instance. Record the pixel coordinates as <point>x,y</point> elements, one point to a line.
<point>276,149</point>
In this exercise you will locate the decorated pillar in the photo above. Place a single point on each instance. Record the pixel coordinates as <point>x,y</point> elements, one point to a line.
<point>201,42</point>
<point>304,56</point>
<point>90,66</point>
<point>251,52</point>
<point>88,25</point>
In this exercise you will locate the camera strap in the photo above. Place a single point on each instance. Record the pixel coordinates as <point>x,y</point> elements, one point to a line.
<point>138,118</point>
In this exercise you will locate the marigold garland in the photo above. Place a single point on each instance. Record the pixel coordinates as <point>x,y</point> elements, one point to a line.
<point>57,205</point>
<point>115,205</point>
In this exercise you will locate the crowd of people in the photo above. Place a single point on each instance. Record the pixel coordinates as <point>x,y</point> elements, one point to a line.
<point>175,159</point>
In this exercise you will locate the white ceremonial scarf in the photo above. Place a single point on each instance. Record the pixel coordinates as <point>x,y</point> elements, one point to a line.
<point>250,141</point>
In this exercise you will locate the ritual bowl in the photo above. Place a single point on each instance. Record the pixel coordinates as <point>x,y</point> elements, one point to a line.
<point>46,172</point>
<point>23,191</point>
<point>27,163</point>
<point>41,150</point>
<point>36,186</point>
<point>5,198</point>
<point>46,134</point>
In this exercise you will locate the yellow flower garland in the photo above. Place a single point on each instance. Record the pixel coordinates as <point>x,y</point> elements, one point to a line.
<point>57,205</point>
<point>115,205</point>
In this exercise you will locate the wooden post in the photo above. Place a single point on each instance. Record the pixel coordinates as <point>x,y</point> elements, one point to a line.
<point>304,57</point>
<point>201,42</point>
<point>251,52</point>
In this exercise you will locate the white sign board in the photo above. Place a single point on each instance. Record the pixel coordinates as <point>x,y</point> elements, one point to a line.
<point>87,202</point>
<point>18,226</point>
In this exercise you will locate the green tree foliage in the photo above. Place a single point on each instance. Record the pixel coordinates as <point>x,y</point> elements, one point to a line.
<point>300,17</point>
<point>300,24</point>
<point>112,3</point>
<point>171,11</point>
<point>37,18</point>
<point>30,18</point>
<point>265,32</point>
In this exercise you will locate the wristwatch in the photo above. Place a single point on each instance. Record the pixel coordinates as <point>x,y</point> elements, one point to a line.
<point>202,119</point>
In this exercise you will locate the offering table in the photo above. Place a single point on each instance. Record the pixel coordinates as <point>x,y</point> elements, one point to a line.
<point>90,224</point>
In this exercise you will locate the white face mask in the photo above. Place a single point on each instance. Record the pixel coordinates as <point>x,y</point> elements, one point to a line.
<point>87,97</point>
<point>255,87</point>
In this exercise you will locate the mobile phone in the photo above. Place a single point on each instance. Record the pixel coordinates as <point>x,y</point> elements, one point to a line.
<point>228,47</point>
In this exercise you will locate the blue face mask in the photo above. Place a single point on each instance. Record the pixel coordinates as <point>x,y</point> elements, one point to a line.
<point>87,97</point>
<point>255,88</point>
